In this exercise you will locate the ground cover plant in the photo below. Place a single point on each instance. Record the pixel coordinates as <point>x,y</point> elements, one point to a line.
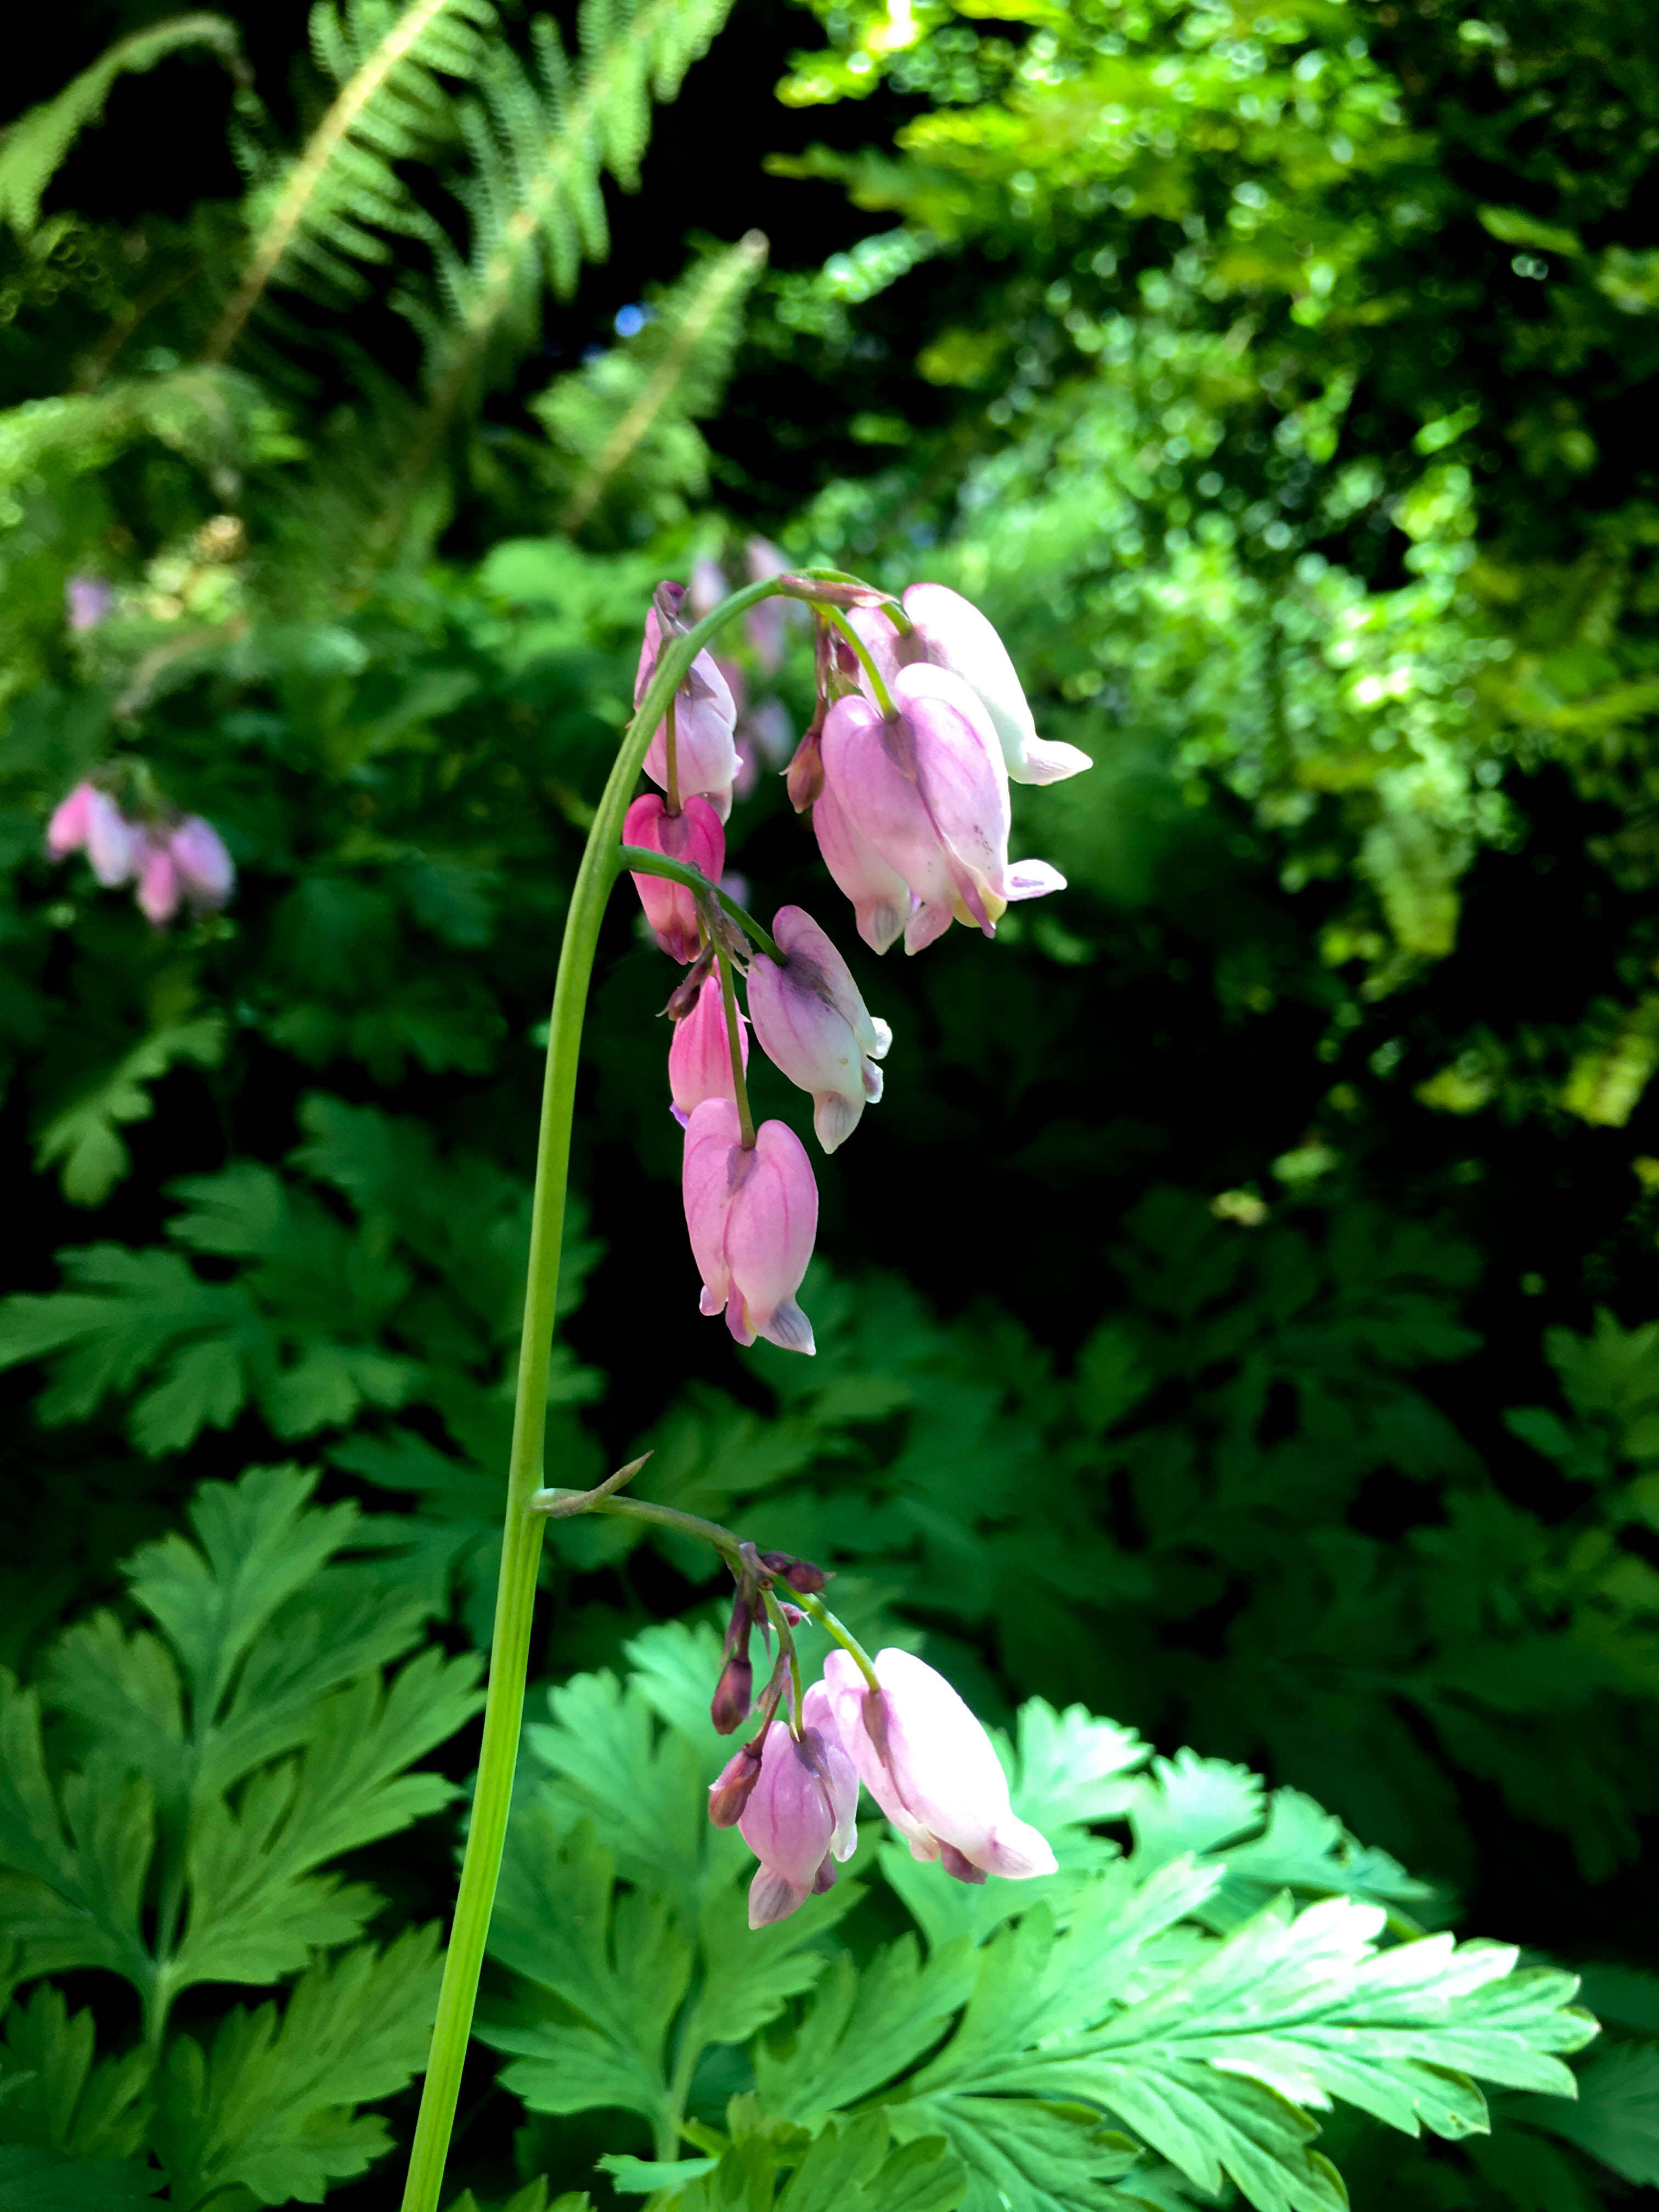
<point>1236,1316</point>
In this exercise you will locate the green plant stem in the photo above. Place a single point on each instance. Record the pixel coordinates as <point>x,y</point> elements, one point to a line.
<point>817,1610</point>
<point>726,1541</point>
<point>510,1651</point>
<point>786,1644</point>
<point>671,762</point>
<point>884,696</point>
<point>641,861</point>
<point>734,1046</point>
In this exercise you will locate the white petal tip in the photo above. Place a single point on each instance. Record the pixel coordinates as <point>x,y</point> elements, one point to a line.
<point>884,1037</point>
<point>1047,761</point>
<point>790,1329</point>
<point>771,1898</point>
<point>1030,879</point>
<point>835,1118</point>
<point>1017,1852</point>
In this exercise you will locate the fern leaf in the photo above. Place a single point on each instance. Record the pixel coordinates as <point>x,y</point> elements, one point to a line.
<point>540,142</point>
<point>332,206</point>
<point>630,413</point>
<point>33,148</point>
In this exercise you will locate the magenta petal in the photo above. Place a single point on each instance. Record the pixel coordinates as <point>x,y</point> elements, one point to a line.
<point>812,1023</point>
<point>772,1225</point>
<point>881,800</point>
<point>693,835</point>
<point>880,895</point>
<point>207,874</point>
<point>66,832</point>
<point>159,892</point>
<point>114,845</point>
<point>711,1137</point>
<point>700,1053</point>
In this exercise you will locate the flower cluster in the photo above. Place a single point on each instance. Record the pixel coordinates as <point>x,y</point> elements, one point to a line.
<point>170,860</point>
<point>920,725</point>
<point>892,1724</point>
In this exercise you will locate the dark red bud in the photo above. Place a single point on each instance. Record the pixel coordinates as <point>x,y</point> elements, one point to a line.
<point>683,999</point>
<point>803,777</point>
<point>800,1574</point>
<point>734,1695</point>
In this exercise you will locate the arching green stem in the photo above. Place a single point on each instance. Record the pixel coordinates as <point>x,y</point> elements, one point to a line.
<point>818,1610</point>
<point>509,1652</point>
<point>734,1046</point>
<point>884,696</point>
<point>641,861</point>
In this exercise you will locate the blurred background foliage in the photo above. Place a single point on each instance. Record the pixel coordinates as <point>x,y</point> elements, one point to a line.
<point>1237,1314</point>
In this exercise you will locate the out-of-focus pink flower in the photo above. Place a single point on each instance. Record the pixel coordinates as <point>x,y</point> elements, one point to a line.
<point>951,632</point>
<point>799,1817</point>
<point>699,1055</point>
<point>87,602</point>
<point>71,818</point>
<point>929,790</point>
<point>766,626</point>
<point>705,757</point>
<point>693,835</point>
<point>708,587</point>
<point>812,1023</point>
<point>880,895</point>
<point>206,872</point>
<point>159,889</point>
<point>770,732</point>
<point>932,1768</point>
<point>115,844</point>
<point>752,1215</point>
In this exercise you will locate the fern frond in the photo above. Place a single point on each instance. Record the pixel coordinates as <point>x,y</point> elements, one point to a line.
<point>539,144</point>
<point>333,207</point>
<point>633,410</point>
<point>32,148</point>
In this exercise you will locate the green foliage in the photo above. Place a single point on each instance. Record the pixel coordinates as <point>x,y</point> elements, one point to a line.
<point>1121,1993</point>
<point>627,421</point>
<point>33,147</point>
<point>180,1825</point>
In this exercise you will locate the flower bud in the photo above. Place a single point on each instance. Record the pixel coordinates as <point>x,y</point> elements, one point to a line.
<point>734,1695</point>
<point>812,1023</point>
<point>800,1574</point>
<point>732,1788</point>
<point>695,837</point>
<point>705,757</point>
<point>699,1055</point>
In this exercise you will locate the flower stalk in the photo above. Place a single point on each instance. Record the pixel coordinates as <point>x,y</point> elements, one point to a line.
<point>602,861</point>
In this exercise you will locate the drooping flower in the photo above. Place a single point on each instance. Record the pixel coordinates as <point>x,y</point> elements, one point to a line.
<point>880,896</point>
<point>799,1816</point>
<point>205,871</point>
<point>693,835</point>
<point>87,602</point>
<point>115,844</point>
<point>927,790</point>
<point>812,1023</point>
<point>753,1214</point>
<point>705,757</point>
<point>949,632</point>
<point>71,818</point>
<point>699,1055</point>
<point>159,889</point>
<point>930,1767</point>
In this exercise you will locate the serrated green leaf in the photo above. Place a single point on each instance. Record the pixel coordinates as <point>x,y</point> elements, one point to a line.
<point>268,2106</point>
<point>41,2181</point>
<point>55,2095</point>
<point>642,2177</point>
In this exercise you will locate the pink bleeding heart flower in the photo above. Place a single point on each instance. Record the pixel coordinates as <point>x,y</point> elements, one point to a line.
<point>949,632</point>
<point>799,1815</point>
<point>753,1214</point>
<point>699,1055</point>
<point>766,625</point>
<point>932,1768</point>
<point>705,757</point>
<point>812,1023</point>
<point>928,789</point>
<point>205,871</point>
<point>159,889</point>
<point>693,835</point>
<point>71,818</point>
<point>87,602</point>
<point>881,897</point>
<point>115,844</point>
